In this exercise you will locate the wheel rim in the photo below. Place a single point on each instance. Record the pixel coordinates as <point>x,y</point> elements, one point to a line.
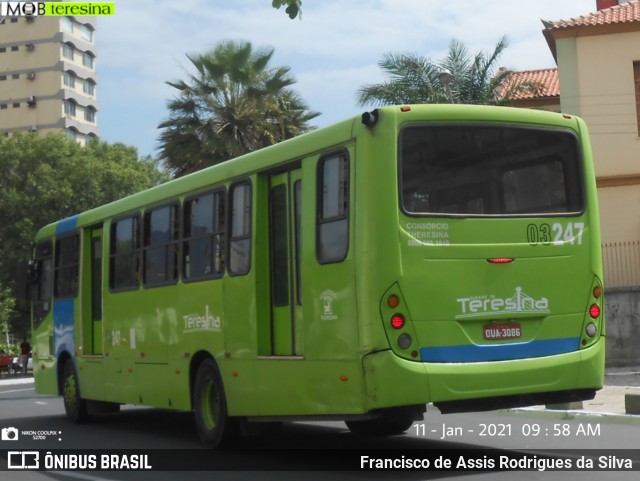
<point>209,401</point>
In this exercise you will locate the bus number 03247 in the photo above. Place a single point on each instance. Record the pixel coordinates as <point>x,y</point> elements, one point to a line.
<point>555,234</point>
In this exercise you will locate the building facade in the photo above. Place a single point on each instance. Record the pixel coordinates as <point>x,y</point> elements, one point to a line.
<point>48,78</point>
<point>598,58</point>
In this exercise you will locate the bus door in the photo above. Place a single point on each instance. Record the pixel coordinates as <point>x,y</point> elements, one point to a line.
<point>92,292</point>
<point>285,193</point>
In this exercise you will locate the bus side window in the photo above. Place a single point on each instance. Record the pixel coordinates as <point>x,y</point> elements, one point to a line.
<point>124,265</point>
<point>42,289</point>
<point>332,241</point>
<point>67,256</point>
<point>161,236</point>
<point>240,228</point>
<point>203,247</point>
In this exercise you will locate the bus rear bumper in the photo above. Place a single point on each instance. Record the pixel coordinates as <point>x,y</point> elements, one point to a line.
<point>568,377</point>
<point>458,387</point>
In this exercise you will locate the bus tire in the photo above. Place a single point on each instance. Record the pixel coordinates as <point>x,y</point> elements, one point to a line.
<point>393,421</point>
<point>210,406</point>
<point>74,406</point>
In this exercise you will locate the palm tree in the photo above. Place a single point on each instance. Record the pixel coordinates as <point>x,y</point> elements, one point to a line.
<point>234,103</point>
<point>415,79</point>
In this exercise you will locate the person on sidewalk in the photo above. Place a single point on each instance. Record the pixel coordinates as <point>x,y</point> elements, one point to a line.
<point>25,352</point>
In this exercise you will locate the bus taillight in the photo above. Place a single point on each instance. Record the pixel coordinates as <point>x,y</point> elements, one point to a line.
<point>594,311</point>
<point>397,321</point>
<point>597,292</point>
<point>393,301</point>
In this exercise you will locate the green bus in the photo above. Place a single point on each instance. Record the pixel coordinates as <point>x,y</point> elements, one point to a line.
<point>415,254</point>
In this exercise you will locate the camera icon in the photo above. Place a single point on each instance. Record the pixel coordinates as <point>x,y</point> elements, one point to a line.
<point>9,434</point>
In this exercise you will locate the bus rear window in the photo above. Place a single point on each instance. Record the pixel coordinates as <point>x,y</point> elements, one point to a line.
<point>489,171</point>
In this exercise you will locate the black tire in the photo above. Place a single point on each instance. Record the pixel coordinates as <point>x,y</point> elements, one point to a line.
<point>393,421</point>
<point>74,406</point>
<point>210,406</point>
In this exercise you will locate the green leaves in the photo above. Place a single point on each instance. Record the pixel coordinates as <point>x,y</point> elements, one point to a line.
<point>48,178</point>
<point>475,79</point>
<point>293,7</point>
<point>234,103</point>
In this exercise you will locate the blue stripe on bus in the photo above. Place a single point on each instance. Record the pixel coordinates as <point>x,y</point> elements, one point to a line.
<point>63,326</point>
<point>500,352</point>
<point>67,225</point>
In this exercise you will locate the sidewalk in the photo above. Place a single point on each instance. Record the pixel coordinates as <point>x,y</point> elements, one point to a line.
<point>613,399</point>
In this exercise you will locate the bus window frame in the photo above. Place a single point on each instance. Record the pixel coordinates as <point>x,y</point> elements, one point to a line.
<point>176,242</point>
<point>38,287</point>
<point>582,194</point>
<point>57,268</point>
<point>223,239</point>
<point>319,205</point>
<point>248,236</point>
<point>137,250</point>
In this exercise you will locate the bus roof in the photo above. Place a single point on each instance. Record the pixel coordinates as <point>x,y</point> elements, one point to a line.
<point>313,142</point>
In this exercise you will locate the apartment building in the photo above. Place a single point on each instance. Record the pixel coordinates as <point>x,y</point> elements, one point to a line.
<point>48,76</point>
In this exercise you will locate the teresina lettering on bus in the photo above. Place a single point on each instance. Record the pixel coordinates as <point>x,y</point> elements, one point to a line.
<point>202,322</point>
<point>490,305</point>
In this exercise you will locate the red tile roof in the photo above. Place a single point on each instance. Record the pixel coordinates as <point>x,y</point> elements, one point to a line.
<point>624,13</point>
<point>545,81</point>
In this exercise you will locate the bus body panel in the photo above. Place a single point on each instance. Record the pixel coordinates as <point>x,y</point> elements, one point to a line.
<point>345,358</point>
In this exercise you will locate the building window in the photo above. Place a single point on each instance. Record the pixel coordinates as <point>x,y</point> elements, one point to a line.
<point>161,236</point>
<point>88,87</point>
<point>70,79</point>
<point>3,77</point>
<point>3,106</point>
<point>67,51</point>
<point>15,76</point>
<point>16,105</point>
<point>67,24</point>
<point>70,107</point>
<point>87,59</point>
<point>72,134</point>
<point>90,114</point>
<point>124,272</point>
<point>14,48</point>
<point>3,49</point>
<point>87,33</point>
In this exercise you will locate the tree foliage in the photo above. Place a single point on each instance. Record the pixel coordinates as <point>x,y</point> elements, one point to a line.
<point>475,79</point>
<point>45,179</point>
<point>293,7</point>
<point>234,103</point>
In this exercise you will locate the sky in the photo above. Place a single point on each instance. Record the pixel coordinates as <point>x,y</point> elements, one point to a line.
<point>332,51</point>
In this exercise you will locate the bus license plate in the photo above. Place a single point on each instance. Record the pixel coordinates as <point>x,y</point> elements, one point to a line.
<point>498,332</point>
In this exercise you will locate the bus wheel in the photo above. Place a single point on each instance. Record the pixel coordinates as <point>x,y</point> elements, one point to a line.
<point>74,406</point>
<point>392,421</point>
<point>210,405</point>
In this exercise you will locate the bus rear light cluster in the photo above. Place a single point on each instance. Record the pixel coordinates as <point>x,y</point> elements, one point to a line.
<point>404,341</point>
<point>393,301</point>
<point>397,321</point>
